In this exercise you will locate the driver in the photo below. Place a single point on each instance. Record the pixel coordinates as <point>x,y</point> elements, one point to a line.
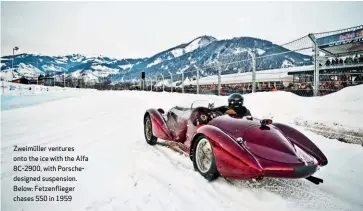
<point>235,106</point>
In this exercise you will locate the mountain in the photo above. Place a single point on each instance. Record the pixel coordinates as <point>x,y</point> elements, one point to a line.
<point>205,52</point>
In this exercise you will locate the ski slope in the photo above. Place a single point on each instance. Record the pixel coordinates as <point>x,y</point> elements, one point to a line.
<point>125,173</point>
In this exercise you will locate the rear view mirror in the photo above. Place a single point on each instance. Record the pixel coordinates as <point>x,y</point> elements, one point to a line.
<point>211,105</point>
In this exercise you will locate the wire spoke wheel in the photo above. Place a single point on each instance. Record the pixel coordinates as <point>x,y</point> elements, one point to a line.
<point>204,155</point>
<point>148,132</point>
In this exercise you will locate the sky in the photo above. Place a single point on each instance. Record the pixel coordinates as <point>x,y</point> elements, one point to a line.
<point>142,29</point>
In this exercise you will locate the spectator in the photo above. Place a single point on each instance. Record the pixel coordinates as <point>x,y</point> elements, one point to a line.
<point>327,63</point>
<point>341,61</point>
<point>355,60</point>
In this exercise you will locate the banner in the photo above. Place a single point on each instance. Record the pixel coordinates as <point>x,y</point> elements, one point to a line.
<point>343,43</point>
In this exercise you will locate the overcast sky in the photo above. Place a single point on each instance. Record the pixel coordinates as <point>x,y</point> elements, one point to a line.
<point>142,29</point>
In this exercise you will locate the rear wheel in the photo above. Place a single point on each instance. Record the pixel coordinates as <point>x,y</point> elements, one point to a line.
<point>148,132</point>
<point>203,159</point>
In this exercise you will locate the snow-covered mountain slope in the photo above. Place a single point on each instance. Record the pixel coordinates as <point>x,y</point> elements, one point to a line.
<point>31,65</point>
<point>125,173</point>
<point>180,50</point>
<point>203,51</point>
<point>26,70</point>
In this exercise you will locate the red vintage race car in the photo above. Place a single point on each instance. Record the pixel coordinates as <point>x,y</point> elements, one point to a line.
<point>240,148</point>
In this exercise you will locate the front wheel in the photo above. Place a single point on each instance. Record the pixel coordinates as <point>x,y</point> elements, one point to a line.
<point>148,132</point>
<point>204,160</point>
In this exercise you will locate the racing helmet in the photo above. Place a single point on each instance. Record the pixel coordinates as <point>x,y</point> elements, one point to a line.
<point>235,100</point>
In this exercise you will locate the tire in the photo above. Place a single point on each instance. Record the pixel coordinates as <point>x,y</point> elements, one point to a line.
<point>150,139</point>
<point>210,171</point>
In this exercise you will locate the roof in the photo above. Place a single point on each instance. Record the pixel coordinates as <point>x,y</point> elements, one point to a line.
<point>343,67</point>
<point>246,77</point>
<point>342,42</point>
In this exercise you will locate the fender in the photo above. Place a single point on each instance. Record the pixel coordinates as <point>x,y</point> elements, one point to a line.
<point>159,127</point>
<point>232,159</point>
<point>303,142</point>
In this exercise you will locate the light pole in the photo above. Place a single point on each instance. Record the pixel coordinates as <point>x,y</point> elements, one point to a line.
<point>64,78</point>
<point>197,78</point>
<point>253,56</point>
<point>156,80</point>
<point>12,63</point>
<point>182,72</point>
<point>151,84</point>
<point>171,79</point>
<point>162,76</point>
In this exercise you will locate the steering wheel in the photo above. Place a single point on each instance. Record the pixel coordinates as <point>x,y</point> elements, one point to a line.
<point>202,115</point>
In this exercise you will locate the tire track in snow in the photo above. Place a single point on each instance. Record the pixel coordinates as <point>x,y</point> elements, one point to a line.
<point>298,192</point>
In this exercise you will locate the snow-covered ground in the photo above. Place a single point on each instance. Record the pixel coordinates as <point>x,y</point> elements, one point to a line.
<point>125,173</point>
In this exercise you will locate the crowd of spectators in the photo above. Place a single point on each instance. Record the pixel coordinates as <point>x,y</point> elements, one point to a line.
<point>327,85</point>
<point>347,60</point>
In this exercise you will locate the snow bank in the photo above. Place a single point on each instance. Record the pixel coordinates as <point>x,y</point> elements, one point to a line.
<point>343,108</point>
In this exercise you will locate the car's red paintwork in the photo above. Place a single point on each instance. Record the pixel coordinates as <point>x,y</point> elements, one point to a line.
<point>274,150</point>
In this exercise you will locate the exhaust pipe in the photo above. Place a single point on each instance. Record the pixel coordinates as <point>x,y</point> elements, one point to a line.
<point>314,180</point>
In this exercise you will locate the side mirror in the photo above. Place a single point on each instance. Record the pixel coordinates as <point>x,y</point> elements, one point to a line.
<point>161,111</point>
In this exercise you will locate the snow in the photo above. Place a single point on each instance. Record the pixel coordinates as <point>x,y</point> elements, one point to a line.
<point>177,52</point>
<point>125,66</point>
<point>28,70</point>
<point>155,62</point>
<point>88,76</point>
<point>62,60</point>
<point>286,63</point>
<point>77,58</point>
<point>260,51</point>
<point>9,74</point>
<point>183,69</point>
<point>197,43</point>
<point>194,45</point>
<point>51,67</point>
<point>125,173</point>
<point>75,74</point>
<point>239,50</point>
<point>97,60</point>
<point>104,71</point>
<point>37,96</point>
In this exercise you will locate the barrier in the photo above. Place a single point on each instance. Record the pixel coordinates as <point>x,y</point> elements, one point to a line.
<point>8,88</point>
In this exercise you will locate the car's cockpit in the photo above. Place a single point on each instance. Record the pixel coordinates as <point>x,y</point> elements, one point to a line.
<point>202,115</point>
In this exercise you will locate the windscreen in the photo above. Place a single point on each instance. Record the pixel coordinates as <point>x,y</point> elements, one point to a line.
<point>203,103</point>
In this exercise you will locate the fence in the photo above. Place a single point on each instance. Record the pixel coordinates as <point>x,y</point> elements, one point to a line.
<point>298,66</point>
<point>8,88</point>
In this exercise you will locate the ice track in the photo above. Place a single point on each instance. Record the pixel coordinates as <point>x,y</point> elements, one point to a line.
<point>125,173</point>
